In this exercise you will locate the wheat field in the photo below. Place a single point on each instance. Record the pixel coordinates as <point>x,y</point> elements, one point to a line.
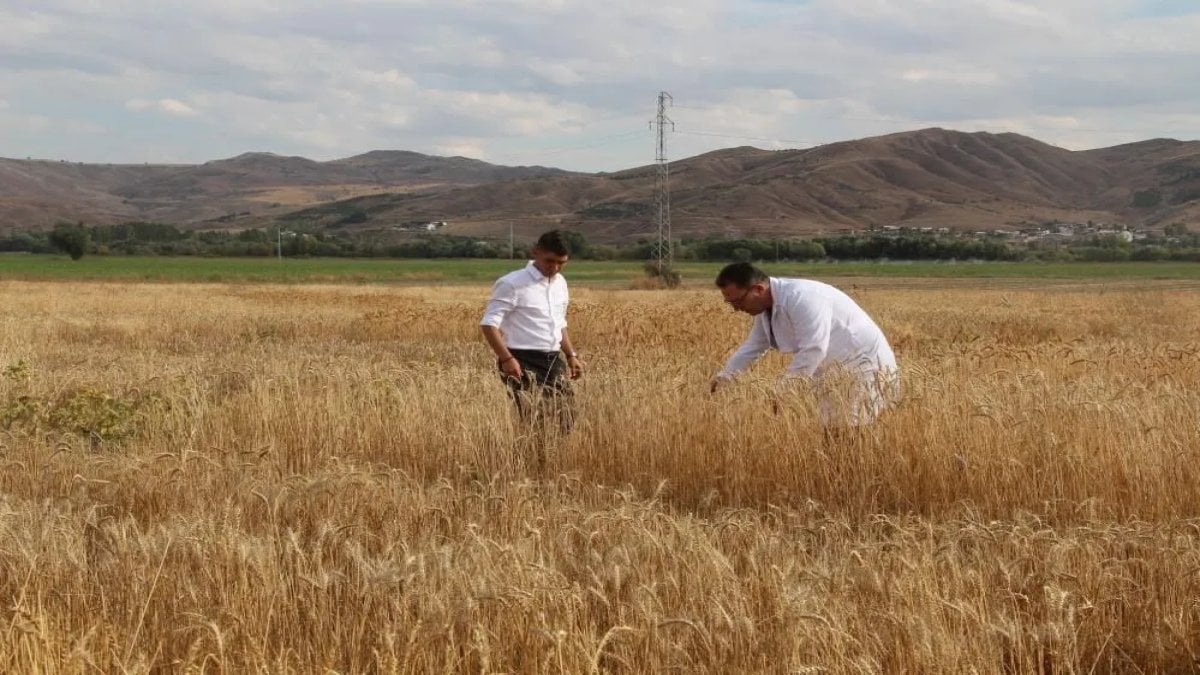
<point>312,479</point>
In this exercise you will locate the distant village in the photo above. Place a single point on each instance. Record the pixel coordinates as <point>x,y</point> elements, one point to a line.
<point>1064,233</point>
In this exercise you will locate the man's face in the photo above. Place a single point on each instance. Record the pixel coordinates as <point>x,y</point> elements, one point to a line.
<point>548,263</point>
<point>751,300</point>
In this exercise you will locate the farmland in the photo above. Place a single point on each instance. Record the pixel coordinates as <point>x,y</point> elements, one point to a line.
<point>457,271</point>
<point>301,477</point>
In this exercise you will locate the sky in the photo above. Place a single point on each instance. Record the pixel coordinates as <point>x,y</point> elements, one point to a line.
<point>574,84</point>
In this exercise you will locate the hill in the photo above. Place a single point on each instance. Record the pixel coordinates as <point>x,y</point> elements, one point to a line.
<point>926,178</point>
<point>38,193</point>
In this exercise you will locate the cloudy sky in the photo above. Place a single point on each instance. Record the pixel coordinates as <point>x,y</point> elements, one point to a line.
<point>573,83</point>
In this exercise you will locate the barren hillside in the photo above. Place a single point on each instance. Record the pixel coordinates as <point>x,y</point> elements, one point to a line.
<point>37,193</point>
<point>931,177</point>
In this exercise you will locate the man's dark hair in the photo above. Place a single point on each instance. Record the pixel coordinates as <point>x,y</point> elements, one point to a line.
<point>554,241</point>
<point>741,275</point>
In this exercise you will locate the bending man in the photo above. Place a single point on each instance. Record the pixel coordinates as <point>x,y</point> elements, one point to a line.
<point>834,344</point>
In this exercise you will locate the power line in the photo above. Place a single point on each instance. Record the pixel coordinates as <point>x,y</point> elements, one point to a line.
<point>908,123</point>
<point>746,138</point>
<point>607,118</point>
<point>603,140</point>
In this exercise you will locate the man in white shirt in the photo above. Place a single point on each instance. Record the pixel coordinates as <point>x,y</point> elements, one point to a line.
<point>835,345</point>
<point>525,324</point>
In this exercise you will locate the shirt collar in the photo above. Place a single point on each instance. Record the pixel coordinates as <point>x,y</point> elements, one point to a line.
<point>535,272</point>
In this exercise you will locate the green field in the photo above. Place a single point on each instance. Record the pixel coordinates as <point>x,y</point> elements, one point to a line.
<point>347,270</point>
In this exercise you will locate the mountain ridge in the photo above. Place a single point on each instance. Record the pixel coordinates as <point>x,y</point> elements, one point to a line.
<point>928,177</point>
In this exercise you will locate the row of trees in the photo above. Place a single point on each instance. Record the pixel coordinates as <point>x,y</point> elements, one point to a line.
<point>141,238</point>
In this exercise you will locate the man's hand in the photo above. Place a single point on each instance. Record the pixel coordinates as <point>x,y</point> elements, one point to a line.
<point>511,368</point>
<point>576,367</point>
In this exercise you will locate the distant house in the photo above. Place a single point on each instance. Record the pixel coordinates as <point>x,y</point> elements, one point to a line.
<point>421,226</point>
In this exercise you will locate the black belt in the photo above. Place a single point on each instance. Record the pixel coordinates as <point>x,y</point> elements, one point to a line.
<point>536,355</point>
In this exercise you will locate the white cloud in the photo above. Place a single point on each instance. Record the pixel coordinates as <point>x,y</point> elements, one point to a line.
<point>176,107</point>
<point>555,72</point>
<point>24,27</point>
<point>505,113</point>
<point>26,123</point>
<point>462,147</point>
<point>951,76</point>
<point>548,81</point>
<point>169,106</point>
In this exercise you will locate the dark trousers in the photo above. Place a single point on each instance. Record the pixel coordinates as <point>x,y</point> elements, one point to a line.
<point>543,393</point>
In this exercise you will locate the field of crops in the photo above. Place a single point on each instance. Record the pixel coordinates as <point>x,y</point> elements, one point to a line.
<point>309,478</point>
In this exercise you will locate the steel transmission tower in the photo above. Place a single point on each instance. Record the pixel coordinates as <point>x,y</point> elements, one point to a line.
<point>664,251</point>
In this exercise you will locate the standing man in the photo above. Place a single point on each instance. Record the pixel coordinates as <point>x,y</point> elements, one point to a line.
<point>835,344</point>
<point>525,324</point>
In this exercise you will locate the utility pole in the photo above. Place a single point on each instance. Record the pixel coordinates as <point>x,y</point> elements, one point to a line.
<point>279,241</point>
<point>510,241</point>
<point>664,250</point>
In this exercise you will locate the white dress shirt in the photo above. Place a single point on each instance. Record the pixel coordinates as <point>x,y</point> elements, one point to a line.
<point>529,309</point>
<point>825,330</point>
<point>821,326</point>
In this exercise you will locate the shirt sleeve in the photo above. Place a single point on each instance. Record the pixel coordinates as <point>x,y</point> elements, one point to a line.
<point>813,324</point>
<point>503,300</point>
<point>566,301</point>
<point>756,344</point>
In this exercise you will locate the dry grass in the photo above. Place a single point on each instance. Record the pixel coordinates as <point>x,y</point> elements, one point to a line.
<point>281,479</point>
<point>302,195</point>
